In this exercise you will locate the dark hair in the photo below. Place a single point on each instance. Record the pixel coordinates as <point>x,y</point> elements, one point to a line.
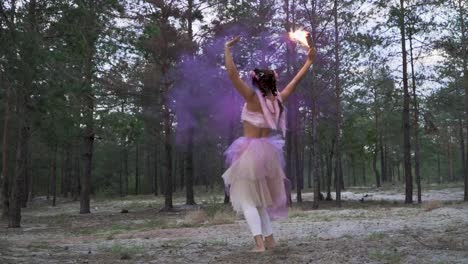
<point>265,80</point>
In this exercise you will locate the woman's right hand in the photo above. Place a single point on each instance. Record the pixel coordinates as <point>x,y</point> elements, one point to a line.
<point>233,41</point>
<point>311,54</point>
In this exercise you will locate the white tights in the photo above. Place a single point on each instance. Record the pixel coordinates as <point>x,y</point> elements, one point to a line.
<point>258,220</point>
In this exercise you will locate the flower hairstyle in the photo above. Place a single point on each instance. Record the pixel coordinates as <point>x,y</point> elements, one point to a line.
<point>265,80</point>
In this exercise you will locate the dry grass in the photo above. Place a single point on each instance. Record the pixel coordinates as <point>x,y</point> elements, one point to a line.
<point>197,217</point>
<point>431,205</point>
<point>201,217</point>
<point>296,212</point>
<point>223,217</point>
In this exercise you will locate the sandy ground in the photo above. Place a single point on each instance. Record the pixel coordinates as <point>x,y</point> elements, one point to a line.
<point>379,230</point>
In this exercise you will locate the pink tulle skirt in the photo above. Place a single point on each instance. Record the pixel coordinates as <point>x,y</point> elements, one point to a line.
<point>256,176</point>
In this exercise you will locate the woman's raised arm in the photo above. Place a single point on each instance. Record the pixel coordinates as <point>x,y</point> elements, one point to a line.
<point>243,88</point>
<point>291,87</point>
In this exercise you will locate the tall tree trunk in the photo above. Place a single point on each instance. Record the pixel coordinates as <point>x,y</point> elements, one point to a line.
<point>330,170</point>
<point>23,97</point>
<point>462,10</point>
<point>364,174</point>
<point>353,168</point>
<point>5,177</point>
<point>383,167</point>
<point>449,156</point>
<point>121,176</point>
<point>27,176</point>
<point>156,168</point>
<point>54,175</point>
<point>338,168</point>
<point>406,115</point>
<point>415,120</point>
<point>76,175</point>
<point>379,132</point>
<point>88,138</point>
<point>289,175</point>
<point>297,160</point>
<point>126,169</point>
<point>439,175</point>
<point>137,171</point>
<point>17,182</point>
<point>88,99</point>
<point>314,152</point>
<point>190,200</point>
<point>148,178</point>
<point>376,171</point>
<point>31,178</point>
<point>462,145</point>
<point>168,151</point>
<point>310,167</point>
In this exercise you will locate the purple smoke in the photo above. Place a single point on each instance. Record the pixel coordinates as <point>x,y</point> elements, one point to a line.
<point>204,99</point>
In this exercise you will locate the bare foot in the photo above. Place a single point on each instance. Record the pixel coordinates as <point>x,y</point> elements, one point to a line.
<point>259,245</point>
<point>270,242</point>
<point>258,249</point>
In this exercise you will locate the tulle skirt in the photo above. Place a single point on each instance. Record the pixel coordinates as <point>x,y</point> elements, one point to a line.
<point>255,175</point>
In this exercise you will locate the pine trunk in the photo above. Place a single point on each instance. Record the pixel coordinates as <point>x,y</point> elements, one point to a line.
<point>5,177</point>
<point>314,153</point>
<point>54,176</point>
<point>168,151</point>
<point>137,171</point>
<point>338,169</point>
<point>376,171</point>
<point>406,115</point>
<point>190,199</point>
<point>462,10</point>
<point>415,121</point>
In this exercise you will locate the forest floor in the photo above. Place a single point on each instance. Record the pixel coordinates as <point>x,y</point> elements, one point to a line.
<point>379,230</point>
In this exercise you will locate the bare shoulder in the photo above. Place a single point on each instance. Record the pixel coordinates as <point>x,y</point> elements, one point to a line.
<point>252,103</point>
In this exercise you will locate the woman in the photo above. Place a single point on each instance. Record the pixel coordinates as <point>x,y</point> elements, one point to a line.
<point>255,179</point>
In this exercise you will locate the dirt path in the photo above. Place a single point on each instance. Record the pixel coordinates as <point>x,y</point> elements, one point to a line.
<point>371,232</point>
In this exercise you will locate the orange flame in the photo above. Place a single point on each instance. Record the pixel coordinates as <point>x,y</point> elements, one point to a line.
<point>299,36</point>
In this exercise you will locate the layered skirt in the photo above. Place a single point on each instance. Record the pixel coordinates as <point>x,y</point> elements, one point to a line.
<point>255,175</point>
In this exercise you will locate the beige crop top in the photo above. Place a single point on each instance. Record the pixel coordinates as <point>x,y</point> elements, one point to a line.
<point>271,116</point>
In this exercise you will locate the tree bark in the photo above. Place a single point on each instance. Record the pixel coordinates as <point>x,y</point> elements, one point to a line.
<point>461,5</point>
<point>126,169</point>
<point>338,168</point>
<point>5,177</point>
<point>54,175</point>
<point>406,118</point>
<point>17,189</point>
<point>462,145</point>
<point>314,152</point>
<point>383,167</point>
<point>167,147</point>
<point>376,171</point>
<point>190,199</point>
<point>449,156</point>
<point>137,171</point>
<point>330,171</point>
<point>415,120</point>
<point>156,174</point>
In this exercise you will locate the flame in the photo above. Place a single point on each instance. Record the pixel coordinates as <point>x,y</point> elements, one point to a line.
<point>299,36</point>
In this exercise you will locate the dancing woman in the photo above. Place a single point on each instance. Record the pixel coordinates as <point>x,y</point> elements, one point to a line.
<point>255,178</point>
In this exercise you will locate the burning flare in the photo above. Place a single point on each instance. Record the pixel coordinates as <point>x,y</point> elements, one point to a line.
<point>302,37</point>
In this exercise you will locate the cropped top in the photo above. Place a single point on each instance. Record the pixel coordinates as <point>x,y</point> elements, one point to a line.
<point>255,118</point>
<point>272,117</point>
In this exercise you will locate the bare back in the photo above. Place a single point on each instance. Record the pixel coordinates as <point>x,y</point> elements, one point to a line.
<point>250,130</point>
